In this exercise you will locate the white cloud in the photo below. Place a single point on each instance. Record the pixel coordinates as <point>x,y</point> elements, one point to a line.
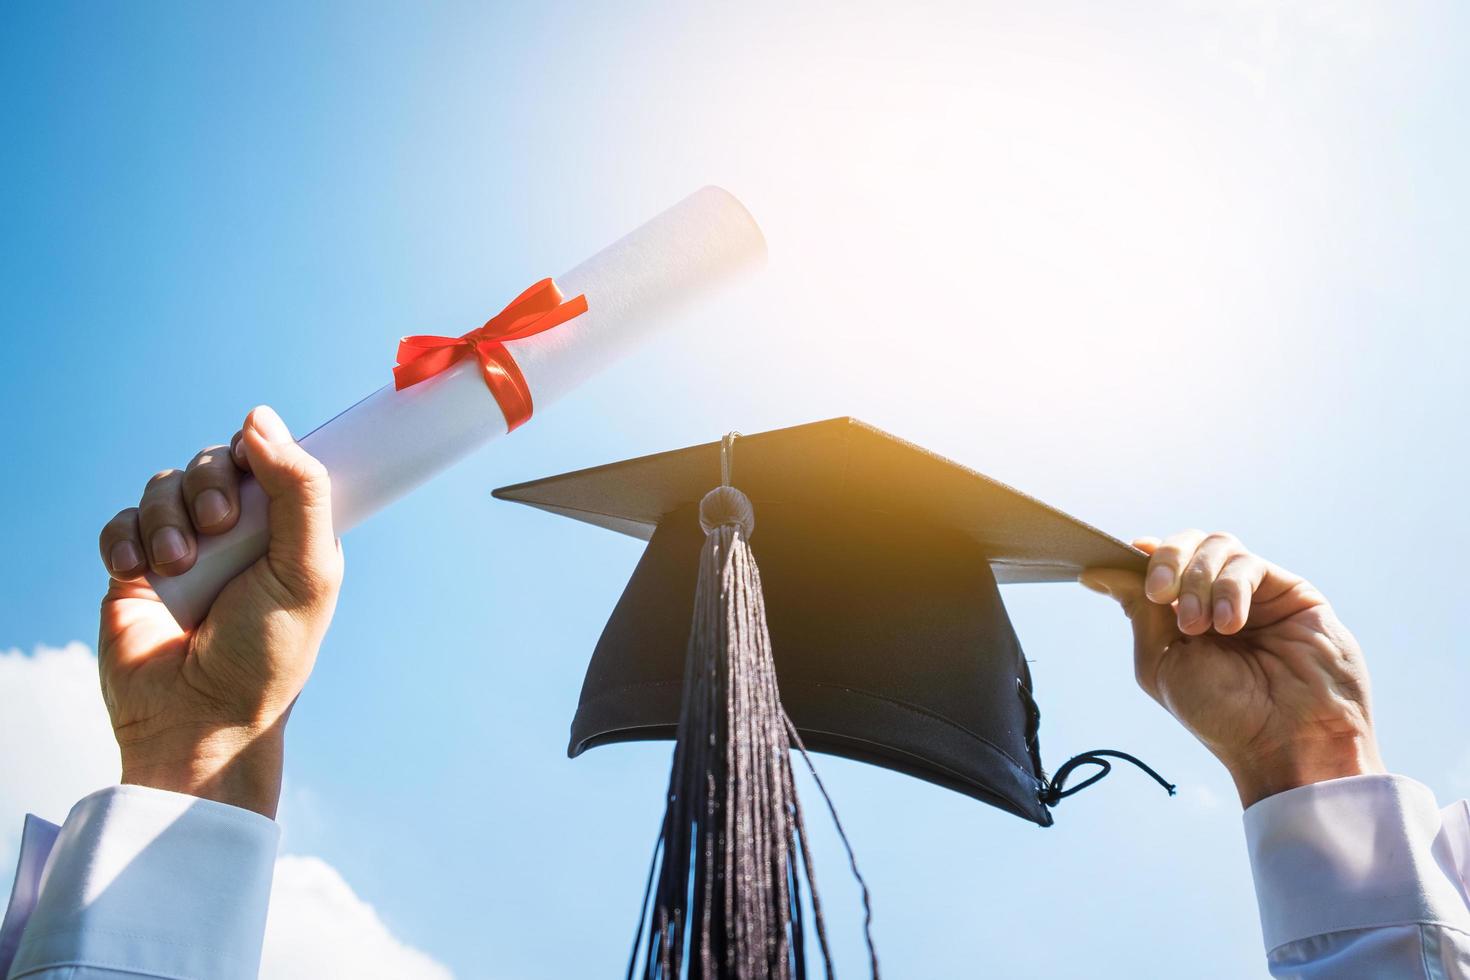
<point>319,928</point>
<point>55,740</point>
<point>56,746</point>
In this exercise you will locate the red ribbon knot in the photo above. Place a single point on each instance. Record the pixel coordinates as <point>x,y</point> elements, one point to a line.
<point>534,311</point>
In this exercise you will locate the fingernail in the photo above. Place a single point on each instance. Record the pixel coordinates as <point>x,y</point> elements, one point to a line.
<point>1224,612</point>
<point>269,424</point>
<point>168,545</point>
<point>124,557</point>
<point>1189,608</point>
<point>210,507</point>
<point>1159,579</point>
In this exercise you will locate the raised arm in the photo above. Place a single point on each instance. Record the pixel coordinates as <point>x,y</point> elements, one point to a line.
<point>1358,874</point>
<point>169,874</point>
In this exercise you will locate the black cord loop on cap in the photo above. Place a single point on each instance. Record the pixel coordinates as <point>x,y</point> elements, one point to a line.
<point>1057,790</point>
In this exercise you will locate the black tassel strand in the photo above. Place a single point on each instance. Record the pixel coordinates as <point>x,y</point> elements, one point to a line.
<point>724,898</point>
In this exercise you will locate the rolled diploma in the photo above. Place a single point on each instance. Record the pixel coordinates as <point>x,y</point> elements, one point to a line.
<point>391,441</point>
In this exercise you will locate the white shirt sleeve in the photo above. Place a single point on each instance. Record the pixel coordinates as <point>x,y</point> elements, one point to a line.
<point>1362,877</point>
<point>1359,877</point>
<point>141,883</point>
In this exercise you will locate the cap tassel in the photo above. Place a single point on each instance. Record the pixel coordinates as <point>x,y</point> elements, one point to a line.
<point>725,885</point>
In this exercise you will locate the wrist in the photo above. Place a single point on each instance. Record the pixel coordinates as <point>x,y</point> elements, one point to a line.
<point>1303,763</point>
<point>238,767</point>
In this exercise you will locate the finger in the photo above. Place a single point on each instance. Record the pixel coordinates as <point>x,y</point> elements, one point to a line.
<point>1197,581</point>
<point>237,451</point>
<point>121,591</point>
<point>1166,564</point>
<point>1148,544</point>
<point>122,549</point>
<point>212,490</point>
<point>1154,628</point>
<point>164,526</point>
<point>303,550</point>
<point>134,610</point>
<point>1235,588</point>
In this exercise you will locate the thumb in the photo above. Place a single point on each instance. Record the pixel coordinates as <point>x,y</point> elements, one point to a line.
<point>303,552</point>
<point>1154,625</point>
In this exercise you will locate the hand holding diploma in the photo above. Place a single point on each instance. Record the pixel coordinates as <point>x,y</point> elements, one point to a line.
<point>453,394</point>
<point>226,573</point>
<point>204,712</point>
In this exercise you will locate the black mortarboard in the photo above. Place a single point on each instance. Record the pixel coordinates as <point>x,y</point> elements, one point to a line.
<point>880,562</point>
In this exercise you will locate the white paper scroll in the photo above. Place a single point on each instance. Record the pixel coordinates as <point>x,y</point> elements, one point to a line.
<point>391,441</point>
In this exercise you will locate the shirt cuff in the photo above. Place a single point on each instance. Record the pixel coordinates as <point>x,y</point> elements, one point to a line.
<point>36,840</point>
<point>1354,853</point>
<point>157,883</point>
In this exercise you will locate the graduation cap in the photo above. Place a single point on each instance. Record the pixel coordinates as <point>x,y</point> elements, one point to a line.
<point>879,562</point>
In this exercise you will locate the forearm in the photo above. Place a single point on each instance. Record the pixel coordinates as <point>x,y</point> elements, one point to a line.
<point>1303,762</point>
<point>240,767</point>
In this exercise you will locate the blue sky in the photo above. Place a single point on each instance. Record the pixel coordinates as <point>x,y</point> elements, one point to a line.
<point>1163,265</point>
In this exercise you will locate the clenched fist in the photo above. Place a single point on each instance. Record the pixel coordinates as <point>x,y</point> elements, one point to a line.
<point>204,712</point>
<point>1251,659</point>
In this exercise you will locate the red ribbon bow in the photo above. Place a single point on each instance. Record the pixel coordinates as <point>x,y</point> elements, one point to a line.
<point>536,310</point>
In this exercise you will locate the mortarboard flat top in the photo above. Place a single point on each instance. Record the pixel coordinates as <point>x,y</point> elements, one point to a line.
<point>843,463</point>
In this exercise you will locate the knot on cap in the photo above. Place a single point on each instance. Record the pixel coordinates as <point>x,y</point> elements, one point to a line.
<point>726,505</point>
